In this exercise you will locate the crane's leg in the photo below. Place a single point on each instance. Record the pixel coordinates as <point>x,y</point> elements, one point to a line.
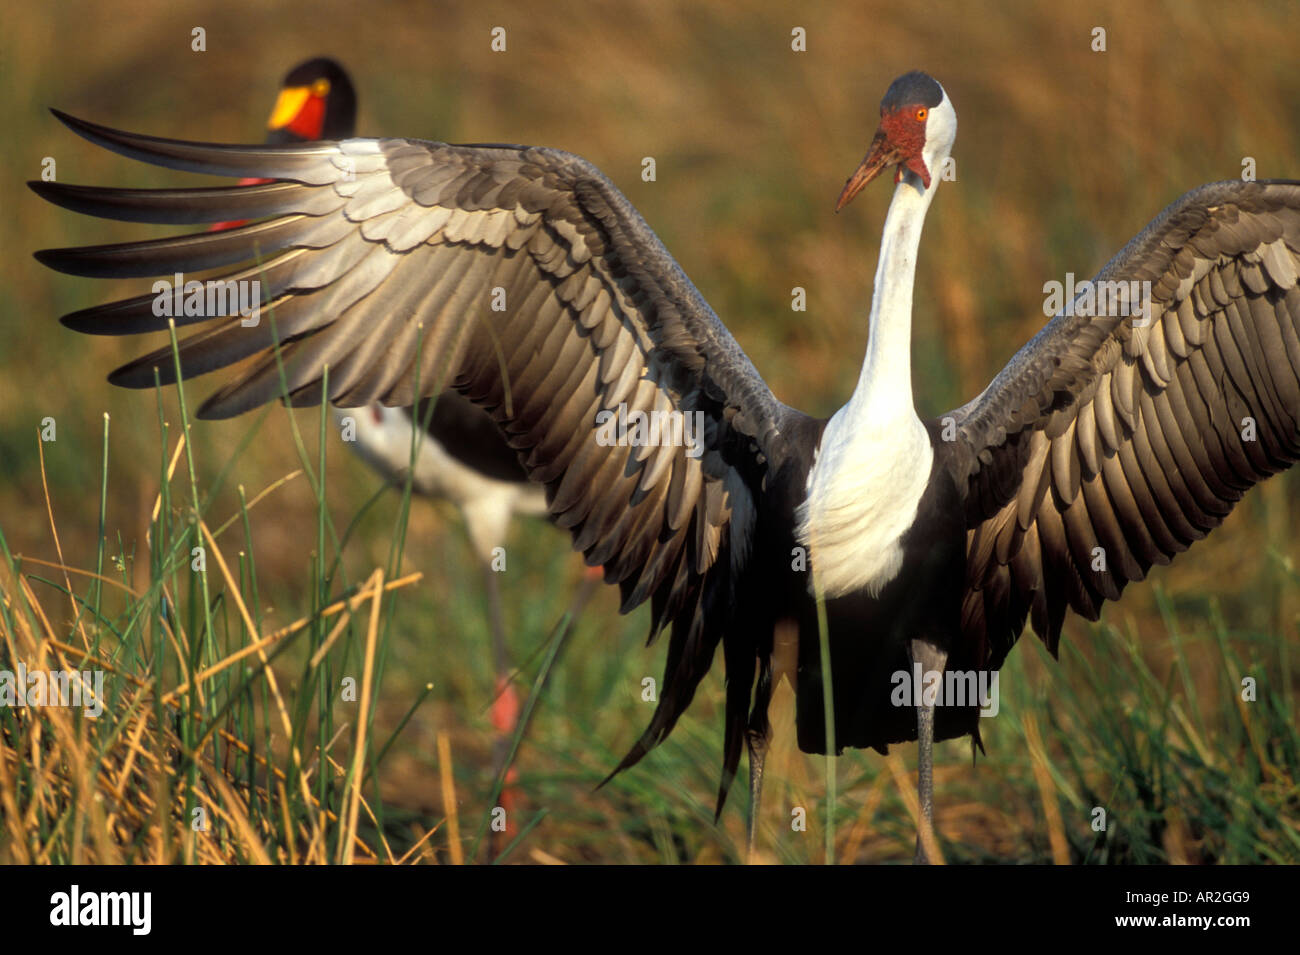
<point>784,663</point>
<point>757,743</point>
<point>931,658</point>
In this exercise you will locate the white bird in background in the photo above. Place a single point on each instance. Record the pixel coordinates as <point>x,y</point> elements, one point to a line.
<point>457,454</point>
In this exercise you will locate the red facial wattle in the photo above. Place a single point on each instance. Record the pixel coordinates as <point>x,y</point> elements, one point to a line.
<point>905,131</point>
<point>899,142</point>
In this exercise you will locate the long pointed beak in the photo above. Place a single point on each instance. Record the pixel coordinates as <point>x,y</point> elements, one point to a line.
<point>288,106</point>
<point>882,153</point>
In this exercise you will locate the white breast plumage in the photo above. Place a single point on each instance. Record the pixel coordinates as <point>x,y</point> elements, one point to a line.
<point>863,493</point>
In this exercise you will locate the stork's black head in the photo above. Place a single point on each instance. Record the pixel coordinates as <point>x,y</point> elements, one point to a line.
<point>316,102</point>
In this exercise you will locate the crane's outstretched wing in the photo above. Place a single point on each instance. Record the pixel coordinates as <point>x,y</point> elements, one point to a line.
<point>1106,446</point>
<point>521,277</point>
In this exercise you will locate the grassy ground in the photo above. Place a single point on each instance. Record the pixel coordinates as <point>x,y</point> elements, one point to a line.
<point>1063,154</point>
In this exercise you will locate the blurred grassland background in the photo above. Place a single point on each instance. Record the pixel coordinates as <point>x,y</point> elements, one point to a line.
<point>1063,154</point>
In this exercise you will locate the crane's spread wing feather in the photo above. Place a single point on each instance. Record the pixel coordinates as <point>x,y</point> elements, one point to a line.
<point>1106,446</point>
<point>379,259</point>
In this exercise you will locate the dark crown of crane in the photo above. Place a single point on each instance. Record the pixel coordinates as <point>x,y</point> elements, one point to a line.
<point>912,89</point>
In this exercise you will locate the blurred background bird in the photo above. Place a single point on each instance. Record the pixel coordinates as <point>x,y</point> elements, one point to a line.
<point>448,448</point>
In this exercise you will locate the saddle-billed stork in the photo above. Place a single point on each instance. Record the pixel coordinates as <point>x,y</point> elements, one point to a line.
<point>448,447</point>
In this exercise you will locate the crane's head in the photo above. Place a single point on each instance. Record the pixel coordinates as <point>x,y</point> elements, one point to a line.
<point>916,132</point>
